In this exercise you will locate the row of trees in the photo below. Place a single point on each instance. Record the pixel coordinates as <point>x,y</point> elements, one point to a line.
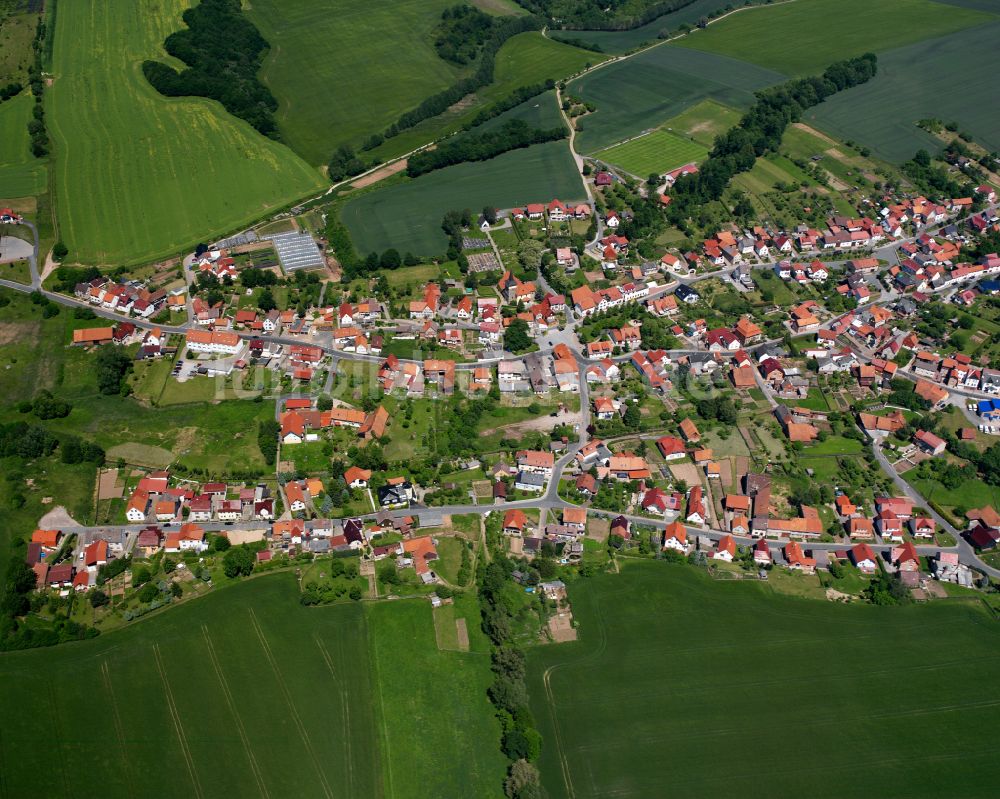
<point>521,742</point>
<point>36,125</point>
<point>760,131</point>
<point>223,51</point>
<point>511,135</point>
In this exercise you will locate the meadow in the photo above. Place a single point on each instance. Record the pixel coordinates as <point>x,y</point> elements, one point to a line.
<point>646,90</point>
<point>218,696</point>
<point>956,84</point>
<point>806,36</point>
<point>343,70</point>
<point>140,176</point>
<point>657,151</point>
<point>682,681</point>
<point>437,732</point>
<point>407,216</point>
<point>704,121</point>
<point>21,174</point>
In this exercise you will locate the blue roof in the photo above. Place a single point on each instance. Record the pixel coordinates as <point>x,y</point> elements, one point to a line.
<point>984,406</point>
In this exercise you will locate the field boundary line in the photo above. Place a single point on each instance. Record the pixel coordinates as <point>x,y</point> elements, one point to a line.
<point>119,729</point>
<point>296,719</point>
<point>232,709</point>
<point>176,718</point>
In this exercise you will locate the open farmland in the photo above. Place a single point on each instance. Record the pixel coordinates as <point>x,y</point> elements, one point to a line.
<point>343,70</point>
<point>620,41</point>
<point>644,91</point>
<point>525,59</point>
<point>219,696</point>
<point>539,112</point>
<point>21,174</point>
<point>806,36</point>
<point>723,674</point>
<point>138,175</point>
<point>958,83</point>
<point>215,698</point>
<point>657,151</point>
<point>408,216</point>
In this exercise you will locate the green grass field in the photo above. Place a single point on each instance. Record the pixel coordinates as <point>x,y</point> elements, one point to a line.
<point>680,681</point>
<point>806,36</point>
<point>219,696</point>
<point>882,114</point>
<point>438,735</point>
<point>658,151</point>
<point>650,88</point>
<point>21,174</point>
<point>138,175</point>
<point>704,121</point>
<point>408,216</point>
<point>343,70</point>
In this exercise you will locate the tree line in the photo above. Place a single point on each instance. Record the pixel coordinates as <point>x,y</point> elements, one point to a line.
<point>760,131</point>
<point>604,15</point>
<point>223,51</point>
<point>511,135</point>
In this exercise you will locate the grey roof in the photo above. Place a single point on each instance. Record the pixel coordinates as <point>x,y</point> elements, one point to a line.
<point>297,251</point>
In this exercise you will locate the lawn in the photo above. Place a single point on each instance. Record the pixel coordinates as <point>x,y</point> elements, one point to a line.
<point>437,732</point>
<point>644,91</point>
<point>882,114</point>
<point>343,70</point>
<point>799,677</point>
<point>408,216</point>
<point>834,445</point>
<point>21,174</point>
<point>17,31</point>
<point>140,176</point>
<point>657,151</point>
<point>806,36</point>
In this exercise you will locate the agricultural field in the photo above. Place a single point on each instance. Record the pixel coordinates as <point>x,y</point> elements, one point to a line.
<point>813,681</point>
<point>956,85</point>
<point>806,36</point>
<point>437,732</point>
<point>539,112</point>
<point>621,41</point>
<point>703,122</point>
<point>644,91</point>
<point>408,216</point>
<point>21,174</point>
<point>116,201</point>
<point>277,683</point>
<point>343,70</point>
<point>525,59</point>
<point>657,151</point>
